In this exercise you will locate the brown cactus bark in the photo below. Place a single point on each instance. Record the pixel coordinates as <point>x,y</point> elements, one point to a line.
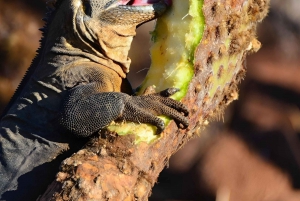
<point>112,167</point>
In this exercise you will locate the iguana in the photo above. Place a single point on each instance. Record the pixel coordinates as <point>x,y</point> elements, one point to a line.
<point>76,86</point>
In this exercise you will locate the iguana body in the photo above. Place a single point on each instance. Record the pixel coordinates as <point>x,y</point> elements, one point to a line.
<point>75,85</point>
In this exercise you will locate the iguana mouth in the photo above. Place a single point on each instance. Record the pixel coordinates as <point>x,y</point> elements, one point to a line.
<point>143,2</point>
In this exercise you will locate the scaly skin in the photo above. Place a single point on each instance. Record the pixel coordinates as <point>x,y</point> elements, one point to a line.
<point>77,85</point>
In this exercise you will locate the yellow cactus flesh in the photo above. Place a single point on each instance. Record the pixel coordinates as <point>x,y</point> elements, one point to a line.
<point>175,38</point>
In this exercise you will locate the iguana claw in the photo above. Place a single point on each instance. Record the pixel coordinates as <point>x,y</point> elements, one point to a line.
<point>146,108</point>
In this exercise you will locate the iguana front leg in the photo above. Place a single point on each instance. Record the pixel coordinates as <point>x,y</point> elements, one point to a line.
<point>86,111</point>
<point>96,100</point>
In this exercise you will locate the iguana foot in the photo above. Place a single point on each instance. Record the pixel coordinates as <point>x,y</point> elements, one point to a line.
<point>146,108</point>
<point>85,111</point>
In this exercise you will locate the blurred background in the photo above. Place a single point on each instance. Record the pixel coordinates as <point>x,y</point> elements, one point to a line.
<point>252,154</point>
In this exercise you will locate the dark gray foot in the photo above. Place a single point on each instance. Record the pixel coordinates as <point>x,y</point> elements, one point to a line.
<point>85,111</point>
<point>146,108</point>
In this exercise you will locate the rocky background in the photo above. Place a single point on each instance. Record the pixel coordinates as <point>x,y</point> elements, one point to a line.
<point>250,154</point>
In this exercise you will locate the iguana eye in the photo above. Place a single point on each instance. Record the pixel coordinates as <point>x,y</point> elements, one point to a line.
<point>87,7</point>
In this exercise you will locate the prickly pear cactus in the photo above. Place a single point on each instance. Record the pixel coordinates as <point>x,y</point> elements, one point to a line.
<point>207,40</point>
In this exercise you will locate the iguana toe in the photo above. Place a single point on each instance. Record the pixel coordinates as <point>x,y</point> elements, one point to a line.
<point>146,108</point>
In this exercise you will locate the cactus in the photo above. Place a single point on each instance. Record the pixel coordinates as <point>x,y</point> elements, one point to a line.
<point>175,39</point>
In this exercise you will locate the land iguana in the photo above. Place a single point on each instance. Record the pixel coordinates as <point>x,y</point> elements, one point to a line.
<point>77,85</point>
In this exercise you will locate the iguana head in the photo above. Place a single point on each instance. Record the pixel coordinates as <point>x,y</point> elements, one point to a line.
<point>112,24</point>
<point>103,28</point>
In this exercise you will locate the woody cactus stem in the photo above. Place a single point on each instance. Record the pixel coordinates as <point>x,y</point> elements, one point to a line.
<point>113,167</point>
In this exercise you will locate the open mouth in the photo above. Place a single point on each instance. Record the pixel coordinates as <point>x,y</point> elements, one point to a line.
<point>143,2</point>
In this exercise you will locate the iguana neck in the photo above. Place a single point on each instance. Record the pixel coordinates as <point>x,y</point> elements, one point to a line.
<point>82,36</point>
